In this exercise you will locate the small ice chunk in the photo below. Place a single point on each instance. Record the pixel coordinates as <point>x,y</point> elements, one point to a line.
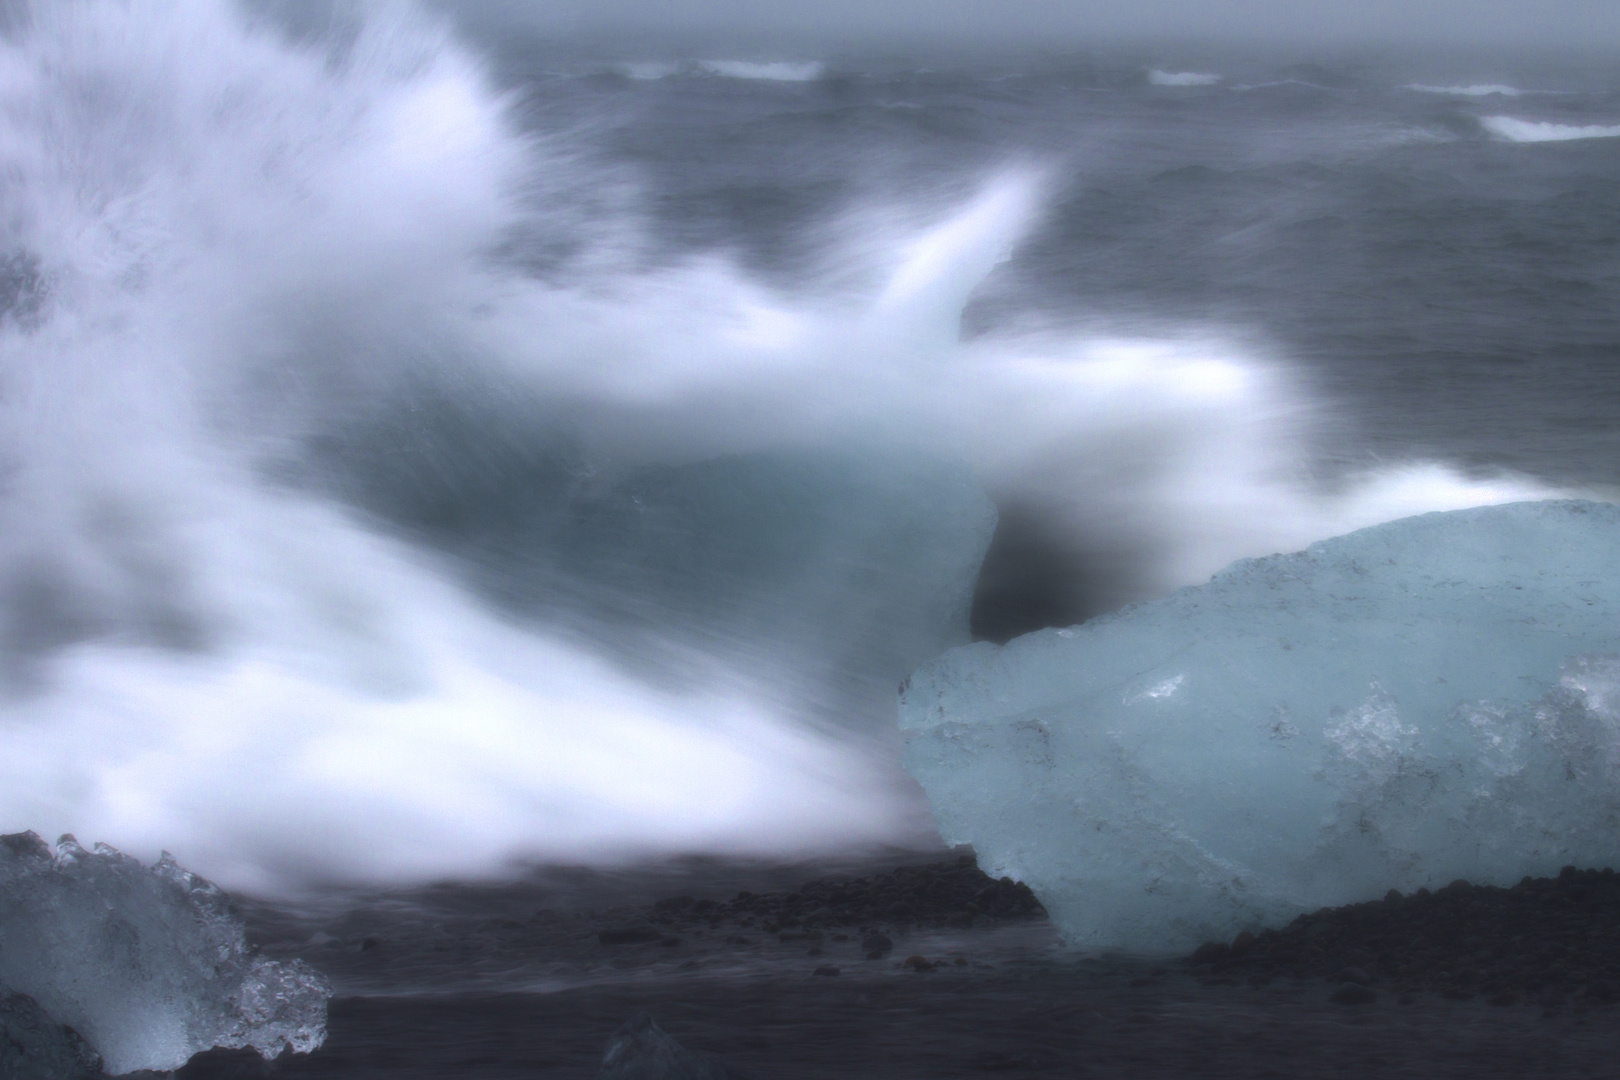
<point>640,1050</point>
<point>147,964</point>
<point>1430,699</point>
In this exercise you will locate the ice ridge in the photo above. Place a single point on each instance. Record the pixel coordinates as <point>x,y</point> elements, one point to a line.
<point>1430,699</point>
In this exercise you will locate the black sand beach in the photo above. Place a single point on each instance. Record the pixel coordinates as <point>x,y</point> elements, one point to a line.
<point>1465,982</point>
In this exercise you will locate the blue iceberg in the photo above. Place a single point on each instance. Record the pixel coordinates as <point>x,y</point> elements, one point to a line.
<point>1431,699</point>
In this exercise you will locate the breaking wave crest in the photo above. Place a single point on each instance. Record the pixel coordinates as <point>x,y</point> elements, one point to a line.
<point>1471,90</point>
<point>774,71</point>
<point>346,537</point>
<point>1512,129</point>
<point>1181,78</point>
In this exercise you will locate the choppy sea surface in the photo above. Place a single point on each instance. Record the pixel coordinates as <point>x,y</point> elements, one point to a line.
<point>431,450</point>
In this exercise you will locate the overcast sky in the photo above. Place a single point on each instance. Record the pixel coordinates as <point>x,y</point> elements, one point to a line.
<point>1581,23</point>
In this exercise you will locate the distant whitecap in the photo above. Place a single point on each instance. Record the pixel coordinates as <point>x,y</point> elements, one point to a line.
<point>1532,131</point>
<point>1474,90</point>
<point>778,71</point>
<point>1181,78</point>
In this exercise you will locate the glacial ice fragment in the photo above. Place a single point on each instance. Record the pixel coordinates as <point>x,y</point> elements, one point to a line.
<point>1430,699</point>
<point>147,964</point>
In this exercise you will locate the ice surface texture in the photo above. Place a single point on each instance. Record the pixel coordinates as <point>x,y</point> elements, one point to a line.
<point>147,964</point>
<point>1434,698</point>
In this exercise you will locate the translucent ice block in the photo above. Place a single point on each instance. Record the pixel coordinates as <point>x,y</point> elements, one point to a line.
<point>1430,699</point>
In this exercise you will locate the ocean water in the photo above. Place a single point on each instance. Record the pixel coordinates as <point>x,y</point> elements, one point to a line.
<point>431,450</point>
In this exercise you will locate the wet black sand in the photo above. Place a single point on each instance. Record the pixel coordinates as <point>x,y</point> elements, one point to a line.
<point>1055,1024</point>
<point>1466,982</point>
<point>1551,941</point>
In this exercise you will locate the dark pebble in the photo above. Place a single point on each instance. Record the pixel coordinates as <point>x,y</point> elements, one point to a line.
<point>827,970</point>
<point>1353,994</point>
<point>996,1061</point>
<point>876,946</point>
<point>628,935</point>
<point>674,903</point>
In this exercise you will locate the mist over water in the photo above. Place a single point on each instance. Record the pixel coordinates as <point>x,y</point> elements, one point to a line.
<point>386,500</point>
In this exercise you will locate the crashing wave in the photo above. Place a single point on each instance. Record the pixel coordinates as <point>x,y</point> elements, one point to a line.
<point>360,548</point>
